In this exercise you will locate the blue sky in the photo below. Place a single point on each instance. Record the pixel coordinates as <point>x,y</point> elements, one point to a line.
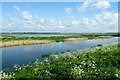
<point>51,0</point>
<point>60,16</point>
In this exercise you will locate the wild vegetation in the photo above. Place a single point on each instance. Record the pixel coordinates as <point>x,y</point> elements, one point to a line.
<point>23,42</point>
<point>9,41</point>
<point>56,38</point>
<point>96,63</point>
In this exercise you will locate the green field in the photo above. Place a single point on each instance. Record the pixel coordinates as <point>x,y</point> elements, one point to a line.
<point>97,63</point>
<point>55,38</point>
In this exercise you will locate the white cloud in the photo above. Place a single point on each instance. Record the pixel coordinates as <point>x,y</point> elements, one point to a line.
<point>85,22</point>
<point>52,20</point>
<point>106,21</point>
<point>23,14</point>
<point>10,17</point>
<point>16,8</point>
<point>68,10</point>
<point>26,15</point>
<point>84,6</point>
<point>42,20</point>
<point>103,22</point>
<point>103,4</point>
<point>74,22</point>
<point>89,4</point>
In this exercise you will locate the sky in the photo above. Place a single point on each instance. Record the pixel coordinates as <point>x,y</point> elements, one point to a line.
<point>87,16</point>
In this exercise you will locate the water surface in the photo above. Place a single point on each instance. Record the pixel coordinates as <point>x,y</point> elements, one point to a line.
<point>40,35</point>
<point>24,54</point>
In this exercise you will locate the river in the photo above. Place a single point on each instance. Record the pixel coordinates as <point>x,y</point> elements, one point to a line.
<point>24,54</point>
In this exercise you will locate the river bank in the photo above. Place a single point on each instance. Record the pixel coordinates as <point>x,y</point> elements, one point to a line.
<point>93,63</point>
<point>10,41</point>
<point>25,54</point>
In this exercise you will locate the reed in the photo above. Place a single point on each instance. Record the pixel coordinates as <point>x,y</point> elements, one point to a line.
<point>23,42</point>
<point>104,37</point>
<point>75,39</point>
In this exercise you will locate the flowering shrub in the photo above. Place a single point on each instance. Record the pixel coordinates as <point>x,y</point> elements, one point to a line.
<point>97,63</point>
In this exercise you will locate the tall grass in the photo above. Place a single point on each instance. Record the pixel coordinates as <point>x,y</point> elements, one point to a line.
<point>23,42</point>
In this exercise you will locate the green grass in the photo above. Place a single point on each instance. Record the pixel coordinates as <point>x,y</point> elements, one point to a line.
<point>55,38</point>
<point>97,63</point>
<point>5,38</point>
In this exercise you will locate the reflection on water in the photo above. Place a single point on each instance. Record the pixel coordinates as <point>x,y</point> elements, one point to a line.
<point>24,54</point>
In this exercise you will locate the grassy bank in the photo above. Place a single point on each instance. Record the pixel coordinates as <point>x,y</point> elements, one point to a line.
<point>9,41</point>
<point>98,63</point>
